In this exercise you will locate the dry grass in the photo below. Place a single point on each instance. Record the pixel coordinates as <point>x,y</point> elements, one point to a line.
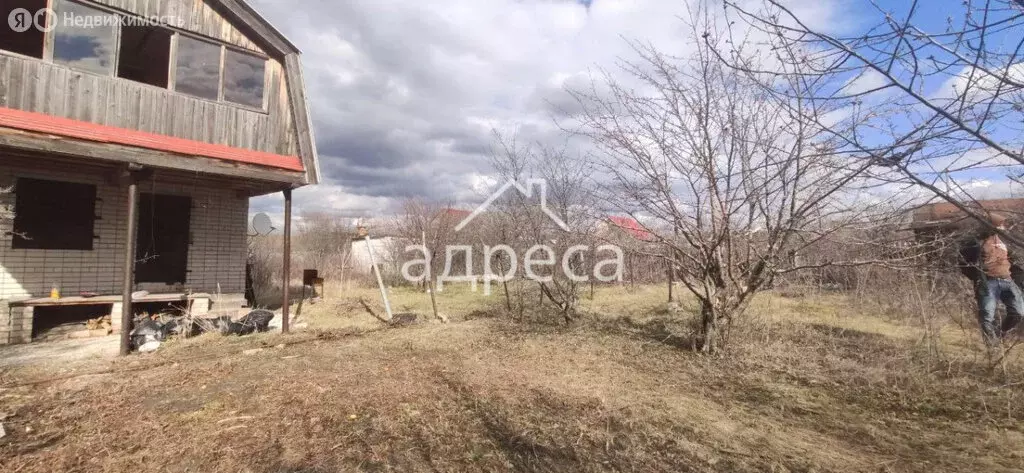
<point>812,386</point>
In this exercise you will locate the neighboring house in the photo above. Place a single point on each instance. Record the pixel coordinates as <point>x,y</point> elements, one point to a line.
<point>387,254</point>
<point>629,227</point>
<point>944,218</point>
<point>113,119</point>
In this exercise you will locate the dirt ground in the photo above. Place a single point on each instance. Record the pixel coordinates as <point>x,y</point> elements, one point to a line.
<point>811,387</point>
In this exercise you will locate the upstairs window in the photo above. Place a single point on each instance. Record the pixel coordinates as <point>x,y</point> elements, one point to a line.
<point>243,78</point>
<point>145,54</point>
<point>53,215</point>
<point>19,34</point>
<point>84,38</point>
<point>197,71</point>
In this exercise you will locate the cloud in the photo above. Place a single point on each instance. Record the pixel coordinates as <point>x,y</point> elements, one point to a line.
<point>404,94</point>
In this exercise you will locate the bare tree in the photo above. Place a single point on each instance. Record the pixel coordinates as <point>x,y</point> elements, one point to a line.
<point>933,103</point>
<point>731,178</point>
<point>324,241</point>
<point>431,222</point>
<point>518,222</point>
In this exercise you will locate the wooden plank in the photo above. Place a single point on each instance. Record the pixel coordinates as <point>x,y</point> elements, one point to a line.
<point>220,131</point>
<point>87,97</point>
<point>58,100</point>
<point>5,74</point>
<point>26,87</point>
<point>248,22</point>
<point>301,118</point>
<point>42,86</point>
<point>143,111</point>
<point>15,70</point>
<point>106,299</point>
<point>210,124</point>
<point>113,106</point>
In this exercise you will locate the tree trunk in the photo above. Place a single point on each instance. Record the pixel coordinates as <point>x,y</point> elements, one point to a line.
<point>709,328</point>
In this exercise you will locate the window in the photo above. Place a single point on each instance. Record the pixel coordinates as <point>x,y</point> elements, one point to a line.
<point>53,215</point>
<point>20,35</point>
<point>197,71</point>
<point>243,78</point>
<point>144,56</point>
<point>86,41</point>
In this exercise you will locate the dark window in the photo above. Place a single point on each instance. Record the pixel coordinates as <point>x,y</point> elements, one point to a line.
<point>84,38</point>
<point>161,253</point>
<point>243,78</point>
<point>197,69</point>
<point>53,215</point>
<point>18,32</point>
<point>145,54</point>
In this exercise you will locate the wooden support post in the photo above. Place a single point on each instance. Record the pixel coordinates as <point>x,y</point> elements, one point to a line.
<point>287,264</point>
<point>128,273</point>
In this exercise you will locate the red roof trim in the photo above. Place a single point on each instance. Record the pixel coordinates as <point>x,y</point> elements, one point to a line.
<point>51,125</point>
<point>632,227</point>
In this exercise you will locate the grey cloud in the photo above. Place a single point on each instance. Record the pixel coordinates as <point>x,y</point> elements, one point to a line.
<point>404,94</point>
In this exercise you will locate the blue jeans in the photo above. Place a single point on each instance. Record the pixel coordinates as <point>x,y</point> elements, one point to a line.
<point>987,293</point>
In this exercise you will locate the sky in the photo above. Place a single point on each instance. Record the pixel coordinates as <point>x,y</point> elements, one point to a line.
<point>405,95</point>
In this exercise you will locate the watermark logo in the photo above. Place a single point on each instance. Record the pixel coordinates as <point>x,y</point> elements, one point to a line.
<point>501,263</point>
<point>527,192</point>
<point>21,20</point>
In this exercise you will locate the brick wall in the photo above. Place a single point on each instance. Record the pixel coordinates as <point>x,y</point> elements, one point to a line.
<point>216,259</point>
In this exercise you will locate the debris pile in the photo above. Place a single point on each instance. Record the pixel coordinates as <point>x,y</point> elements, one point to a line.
<point>149,332</point>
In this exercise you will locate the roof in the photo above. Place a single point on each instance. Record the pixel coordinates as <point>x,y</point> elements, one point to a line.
<point>246,18</point>
<point>52,125</point>
<point>632,227</point>
<point>455,213</point>
<point>945,213</point>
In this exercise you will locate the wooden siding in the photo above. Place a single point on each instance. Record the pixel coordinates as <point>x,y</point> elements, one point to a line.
<point>36,86</point>
<point>196,17</point>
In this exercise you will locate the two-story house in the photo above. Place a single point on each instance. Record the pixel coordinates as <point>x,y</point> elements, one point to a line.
<point>132,135</point>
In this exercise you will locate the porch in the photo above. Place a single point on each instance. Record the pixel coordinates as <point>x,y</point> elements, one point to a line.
<point>189,243</point>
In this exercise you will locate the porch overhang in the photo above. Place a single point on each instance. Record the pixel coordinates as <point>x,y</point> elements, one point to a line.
<point>39,133</point>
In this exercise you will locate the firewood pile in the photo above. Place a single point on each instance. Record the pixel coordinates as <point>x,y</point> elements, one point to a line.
<point>99,323</point>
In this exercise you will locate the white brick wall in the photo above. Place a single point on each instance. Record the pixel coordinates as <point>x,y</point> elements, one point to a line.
<point>216,257</point>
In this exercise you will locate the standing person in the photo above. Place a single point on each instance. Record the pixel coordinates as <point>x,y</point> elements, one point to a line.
<point>988,262</point>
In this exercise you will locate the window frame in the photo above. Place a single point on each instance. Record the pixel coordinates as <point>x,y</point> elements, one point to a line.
<point>176,33</point>
<point>223,73</point>
<point>47,37</point>
<point>51,38</point>
<point>170,56</point>
<point>88,244</point>
<point>173,65</point>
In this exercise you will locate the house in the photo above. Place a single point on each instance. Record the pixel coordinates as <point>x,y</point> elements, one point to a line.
<point>627,226</point>
<point>387,254</point>
<point>132,135</point>
<point>943,218</point>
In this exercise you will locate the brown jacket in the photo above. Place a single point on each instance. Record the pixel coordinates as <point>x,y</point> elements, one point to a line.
<point>987,256</point>
<point>995,258</point>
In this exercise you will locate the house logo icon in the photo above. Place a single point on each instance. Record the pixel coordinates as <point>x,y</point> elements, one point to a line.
<point>526,191</point>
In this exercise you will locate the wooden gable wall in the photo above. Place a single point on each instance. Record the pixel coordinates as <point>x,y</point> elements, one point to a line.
<point>34,85</point>
<point>197,16</point>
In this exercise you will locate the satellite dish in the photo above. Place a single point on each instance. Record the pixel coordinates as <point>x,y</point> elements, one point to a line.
<point>261,224</point>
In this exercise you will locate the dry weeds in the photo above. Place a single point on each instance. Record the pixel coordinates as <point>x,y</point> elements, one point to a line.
<point>811,387</point>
